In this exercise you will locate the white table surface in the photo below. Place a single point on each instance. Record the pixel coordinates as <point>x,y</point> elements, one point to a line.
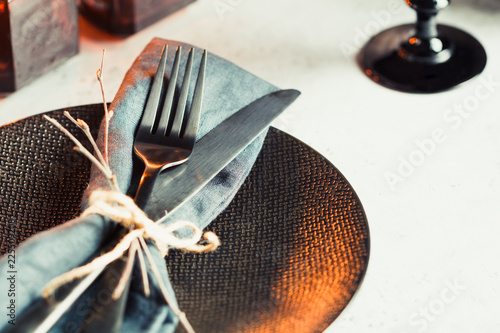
<point>435,255</point>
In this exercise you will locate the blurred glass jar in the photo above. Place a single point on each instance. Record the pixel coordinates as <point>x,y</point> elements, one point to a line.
<point>126,17</point>
<point>35,36</point>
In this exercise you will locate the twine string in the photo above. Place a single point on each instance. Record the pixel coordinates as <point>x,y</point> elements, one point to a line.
<point>121,209</point>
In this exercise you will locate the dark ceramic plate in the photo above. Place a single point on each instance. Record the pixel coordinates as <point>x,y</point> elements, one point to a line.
<point>295,238</point>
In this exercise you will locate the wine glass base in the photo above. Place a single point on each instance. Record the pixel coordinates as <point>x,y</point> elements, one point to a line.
<point>380,60</point>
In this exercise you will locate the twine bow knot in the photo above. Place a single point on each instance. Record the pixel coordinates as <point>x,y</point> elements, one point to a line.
<point>122,209</point>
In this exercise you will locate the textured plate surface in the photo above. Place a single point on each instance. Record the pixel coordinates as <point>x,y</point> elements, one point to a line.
<point>295,240</point>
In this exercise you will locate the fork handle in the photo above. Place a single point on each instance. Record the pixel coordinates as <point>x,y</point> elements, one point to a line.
<point>146,186</point>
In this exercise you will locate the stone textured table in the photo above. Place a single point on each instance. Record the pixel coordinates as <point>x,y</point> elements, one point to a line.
<point>426,167</point>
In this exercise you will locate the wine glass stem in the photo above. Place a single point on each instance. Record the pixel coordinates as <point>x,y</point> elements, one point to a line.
<point>426,27</point>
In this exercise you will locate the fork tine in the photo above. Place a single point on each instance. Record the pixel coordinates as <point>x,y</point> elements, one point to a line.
<point>169,98</point>
<point>194,115</point>
<point>181,103</point>
<point>149,114</point>
<point>154,145</point>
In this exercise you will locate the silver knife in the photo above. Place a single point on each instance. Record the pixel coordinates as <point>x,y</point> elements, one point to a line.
<point>214,151</point>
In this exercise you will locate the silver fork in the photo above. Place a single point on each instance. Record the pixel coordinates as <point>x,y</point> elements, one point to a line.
<point>166,137</point>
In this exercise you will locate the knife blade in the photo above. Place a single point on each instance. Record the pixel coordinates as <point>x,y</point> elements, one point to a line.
<point>214,151</point>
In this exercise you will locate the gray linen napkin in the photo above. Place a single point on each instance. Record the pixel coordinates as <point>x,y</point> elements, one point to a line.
<point>53,252</point>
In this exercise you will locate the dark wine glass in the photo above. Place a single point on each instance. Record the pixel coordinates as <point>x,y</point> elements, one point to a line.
<point>424,57</point>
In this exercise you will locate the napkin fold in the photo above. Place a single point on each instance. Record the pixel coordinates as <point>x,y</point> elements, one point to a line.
<point>48,254</point>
